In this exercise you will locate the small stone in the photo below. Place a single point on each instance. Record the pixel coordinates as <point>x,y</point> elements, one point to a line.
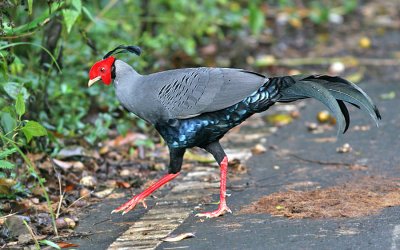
<point>295,114</point>
<point>337,68</point>
<point>61,223</point>
<point>159,166</point>
<point>16,225</point>
<point>364,42</point>
<point>258,149</point>
<point>88,181</point>
<point>125,172</point>
<point>312,126</point>
<point>335,18</point>
<point>71,223</point>
<point>344,149</point>
<point>24,238</point>
<point>84,193</point>
<point>323,116</point>
<point>80,203</point>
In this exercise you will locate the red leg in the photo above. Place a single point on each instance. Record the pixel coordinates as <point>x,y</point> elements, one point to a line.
<point>222,203</point>
<point>131,204</point>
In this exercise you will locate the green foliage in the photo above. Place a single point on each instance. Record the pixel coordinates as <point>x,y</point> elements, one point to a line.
<point>10,127</point>
<point>257,19</point>
<point>87,29</point>
<point>50,243</point>
<point>4,164</point>
<point>72,13</point>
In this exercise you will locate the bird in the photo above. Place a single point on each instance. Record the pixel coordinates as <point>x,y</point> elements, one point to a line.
<point>196,107</point>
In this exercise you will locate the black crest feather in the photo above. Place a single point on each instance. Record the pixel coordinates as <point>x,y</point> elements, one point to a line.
<point>124,49</point>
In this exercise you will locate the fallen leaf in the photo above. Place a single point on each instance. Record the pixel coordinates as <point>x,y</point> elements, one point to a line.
<point>7,182</point>
<point>279,119</point>
<point>265,60</point>
<point>129,138</point>
<point>356,77</point>
<point>388,96</point>
<point>65,245</point>
<point>104,150</point>
<point>69,188</point>
<point>203,159</point>
<point>71,151</point>
<point>116,196</point>
<point>104,193</point>
<point>179,237</point>
<point>122,184</point>
<point>65,165</point>
<point>326,139</point>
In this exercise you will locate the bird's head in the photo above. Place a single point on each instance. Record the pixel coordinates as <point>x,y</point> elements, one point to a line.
<point>105,69</point>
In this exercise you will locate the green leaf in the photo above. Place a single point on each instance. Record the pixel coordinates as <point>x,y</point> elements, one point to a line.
<point>20,105</point>
<point>13,89</point>
<point>6,164</point>
<point>8,122</point>
<point>87,13</point>
<point>72,14</point>
<point>4,67</point>
<point>28,135</point>
<point>50,243</point>
<point>257,19</point>
<point>6,153</point>
<point>30,3</point>
<point>33,128</point>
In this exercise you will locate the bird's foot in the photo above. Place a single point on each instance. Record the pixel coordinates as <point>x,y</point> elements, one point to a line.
<point>131,204</point>
<point>220,211</point>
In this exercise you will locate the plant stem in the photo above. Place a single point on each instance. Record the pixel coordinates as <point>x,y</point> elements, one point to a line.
<point>32,170</point>
<point>33,236</point>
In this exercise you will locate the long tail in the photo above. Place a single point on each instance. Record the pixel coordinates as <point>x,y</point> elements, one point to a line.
<point>332,91</point>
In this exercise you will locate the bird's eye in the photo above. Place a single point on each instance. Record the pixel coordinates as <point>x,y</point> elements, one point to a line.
<point>103,70</point>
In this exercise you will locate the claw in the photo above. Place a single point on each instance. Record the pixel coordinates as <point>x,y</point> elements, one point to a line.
<point>131,204</point>
<point>144,203</point>
<point>220,211</point>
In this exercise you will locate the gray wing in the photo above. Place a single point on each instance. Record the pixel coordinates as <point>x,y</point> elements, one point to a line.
<point>189,92</point>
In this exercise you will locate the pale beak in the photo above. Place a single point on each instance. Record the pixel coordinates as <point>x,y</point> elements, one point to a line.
<point>92,81</point>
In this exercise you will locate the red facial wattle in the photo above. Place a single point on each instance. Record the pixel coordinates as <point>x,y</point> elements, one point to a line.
<point>101,69</point>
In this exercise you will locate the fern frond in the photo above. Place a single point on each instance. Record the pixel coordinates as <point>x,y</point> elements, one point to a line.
<point>7,152</point>
<point>6,164</point>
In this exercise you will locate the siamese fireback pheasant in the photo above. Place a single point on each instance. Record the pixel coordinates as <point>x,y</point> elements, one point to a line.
<point>195,107</point>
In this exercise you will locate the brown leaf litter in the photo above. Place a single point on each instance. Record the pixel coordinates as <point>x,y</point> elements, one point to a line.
<point>364,196</point>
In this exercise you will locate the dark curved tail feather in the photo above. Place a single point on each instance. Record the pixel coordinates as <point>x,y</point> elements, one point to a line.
<point>333,91</point>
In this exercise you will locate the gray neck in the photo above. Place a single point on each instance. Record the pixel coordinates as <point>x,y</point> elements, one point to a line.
<point>126,84</point>
<point>124,74</point>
